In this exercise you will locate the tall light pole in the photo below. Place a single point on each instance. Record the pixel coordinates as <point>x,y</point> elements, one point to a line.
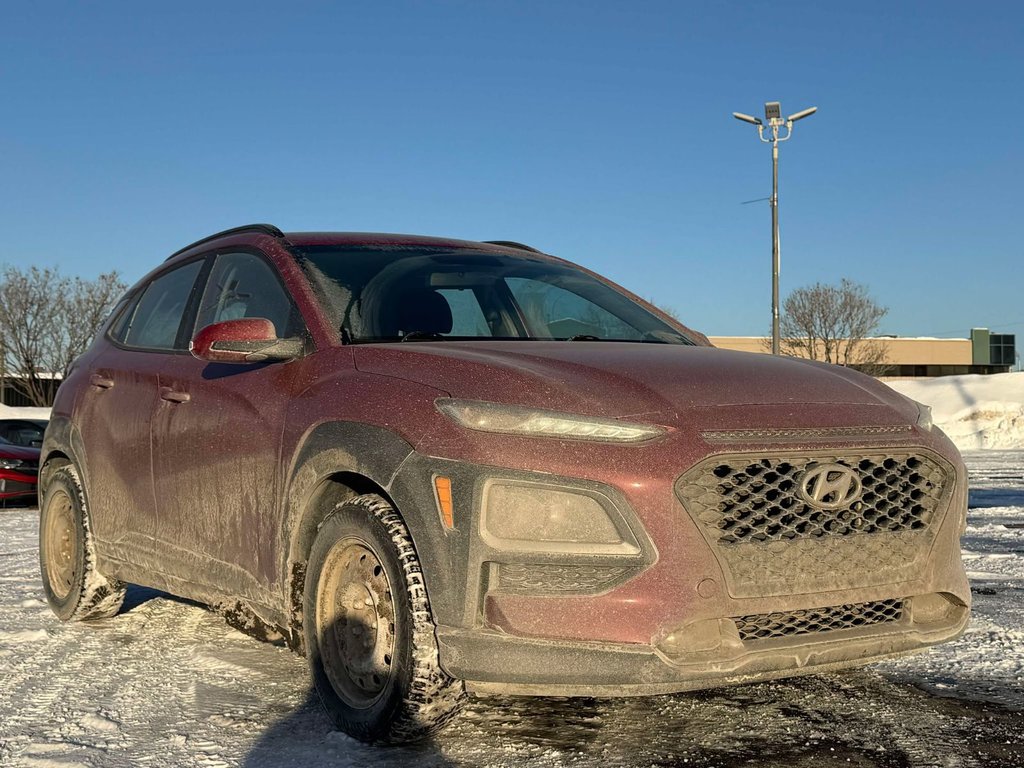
<point>773,116</point>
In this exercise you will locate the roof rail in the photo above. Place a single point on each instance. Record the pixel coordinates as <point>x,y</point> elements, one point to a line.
<point>513,244</point>
<point>266,229</point>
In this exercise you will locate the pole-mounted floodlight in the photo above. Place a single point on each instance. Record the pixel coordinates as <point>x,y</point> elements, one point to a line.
<point>775,122</point>
<point>747,118</point>
<point>801,114</point>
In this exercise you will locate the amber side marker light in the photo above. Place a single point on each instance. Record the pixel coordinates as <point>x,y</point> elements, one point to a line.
<point>443,489</point>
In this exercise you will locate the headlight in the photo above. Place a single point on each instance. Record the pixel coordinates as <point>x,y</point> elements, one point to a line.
<point>924,416</point>
<point>514,420</point>
<point>10,463</point>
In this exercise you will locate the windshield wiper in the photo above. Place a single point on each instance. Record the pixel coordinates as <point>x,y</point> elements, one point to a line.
<point>422,336</point>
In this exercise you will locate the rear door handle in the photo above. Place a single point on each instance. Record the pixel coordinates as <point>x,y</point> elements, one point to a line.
<point>102,382</point>
<point>173,396</point>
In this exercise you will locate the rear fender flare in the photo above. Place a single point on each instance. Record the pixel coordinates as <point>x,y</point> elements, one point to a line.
<point>62,439</point>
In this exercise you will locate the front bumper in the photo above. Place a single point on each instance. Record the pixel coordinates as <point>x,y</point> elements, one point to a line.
<point>17,485</point>
<point>538,622</point>
<point>493,662</point>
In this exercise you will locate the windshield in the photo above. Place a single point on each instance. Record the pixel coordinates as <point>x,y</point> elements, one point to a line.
<point>27,434</point>
<point>399,293</point>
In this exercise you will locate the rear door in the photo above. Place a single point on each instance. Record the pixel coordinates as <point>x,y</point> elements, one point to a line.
<point>115,413</point>
<point>216,439</point>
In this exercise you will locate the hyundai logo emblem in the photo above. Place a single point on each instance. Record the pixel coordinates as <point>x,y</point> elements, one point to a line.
<point>829,486</point>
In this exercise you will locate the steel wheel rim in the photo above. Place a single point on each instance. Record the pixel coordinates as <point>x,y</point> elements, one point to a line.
<point>356,622</point>
<point>61,541</point>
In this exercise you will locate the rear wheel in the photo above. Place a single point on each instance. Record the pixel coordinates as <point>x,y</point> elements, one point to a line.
<point>74,588</point>
<point>369,629</point>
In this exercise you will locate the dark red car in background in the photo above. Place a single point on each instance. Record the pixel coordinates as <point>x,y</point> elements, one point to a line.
<point>437,466</point>
<point>19,466</point>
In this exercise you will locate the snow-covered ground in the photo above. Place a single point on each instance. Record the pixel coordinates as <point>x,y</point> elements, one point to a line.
<point>975,411</point>
<point>168,683</point>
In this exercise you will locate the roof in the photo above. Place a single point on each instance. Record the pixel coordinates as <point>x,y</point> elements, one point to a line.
<point>303,239</point>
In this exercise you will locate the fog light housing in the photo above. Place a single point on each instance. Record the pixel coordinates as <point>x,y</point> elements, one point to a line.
<point>520,515</point>
<point>712,636</point>
<point>935,608</point>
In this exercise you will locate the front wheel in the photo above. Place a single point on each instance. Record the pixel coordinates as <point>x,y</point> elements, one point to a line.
<point>369,629</point>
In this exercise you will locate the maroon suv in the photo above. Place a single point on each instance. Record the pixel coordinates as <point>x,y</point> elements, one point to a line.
<point>437,466</point>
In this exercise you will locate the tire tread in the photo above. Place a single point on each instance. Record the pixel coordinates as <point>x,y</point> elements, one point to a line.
<point>433,697</point>
<point>99,597</point>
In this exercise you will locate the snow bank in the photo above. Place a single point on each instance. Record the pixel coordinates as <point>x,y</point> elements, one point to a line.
<point>977,412</point>
<point>9,412</point>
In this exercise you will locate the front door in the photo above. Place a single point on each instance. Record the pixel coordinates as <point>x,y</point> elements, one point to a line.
<point>216,441</point>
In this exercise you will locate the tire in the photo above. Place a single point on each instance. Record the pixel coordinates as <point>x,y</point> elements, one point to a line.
<point>74,588</point>
<point>369,630</point>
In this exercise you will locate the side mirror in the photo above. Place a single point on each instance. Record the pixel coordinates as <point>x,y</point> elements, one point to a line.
<point>249,340</point>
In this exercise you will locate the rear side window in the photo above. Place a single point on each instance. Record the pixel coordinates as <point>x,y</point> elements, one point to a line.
<point>123,318</point>
<point>154,322</point>
<point>244,285</point>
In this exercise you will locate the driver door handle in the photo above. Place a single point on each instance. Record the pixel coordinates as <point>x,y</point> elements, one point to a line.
<point>173,396</point>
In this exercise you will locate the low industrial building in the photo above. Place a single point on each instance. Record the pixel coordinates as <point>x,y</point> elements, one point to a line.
<point>907,357</point>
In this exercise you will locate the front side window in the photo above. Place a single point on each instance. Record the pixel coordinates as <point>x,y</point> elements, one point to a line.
<point>154,321</point>
<point>243,285</point>
<point>376,294</point>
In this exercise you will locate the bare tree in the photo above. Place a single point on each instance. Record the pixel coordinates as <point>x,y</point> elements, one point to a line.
<point>47,320</point>
<point>834,324</point>
<point>668,309</point>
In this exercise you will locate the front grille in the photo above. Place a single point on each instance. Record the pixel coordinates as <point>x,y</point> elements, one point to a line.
<point>758,500</point>
<point>796,434</point>
<point>768,626</point>
<point>770,539</point>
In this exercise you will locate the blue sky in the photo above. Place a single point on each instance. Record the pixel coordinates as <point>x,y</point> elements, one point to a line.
<point>600,132</point>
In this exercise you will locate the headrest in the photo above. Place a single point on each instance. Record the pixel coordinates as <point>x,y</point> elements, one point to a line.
<point>421,310</point>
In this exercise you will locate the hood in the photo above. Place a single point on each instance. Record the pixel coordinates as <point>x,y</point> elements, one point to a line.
<point>619,380</point>
<point>8,451</point>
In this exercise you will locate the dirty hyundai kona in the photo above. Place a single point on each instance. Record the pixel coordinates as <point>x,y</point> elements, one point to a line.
<point>438,467</point>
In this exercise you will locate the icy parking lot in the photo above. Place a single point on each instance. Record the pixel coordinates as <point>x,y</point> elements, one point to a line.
<point>168,683</point>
